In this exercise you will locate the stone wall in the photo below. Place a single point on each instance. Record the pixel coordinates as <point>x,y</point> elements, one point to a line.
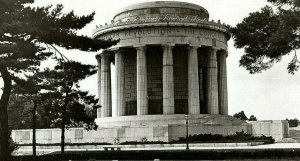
<point>136,128</point>
<point>130,82</point>
<point>131,128</point>
<point>295,128</point>
<point>110,135</point>
<point>180,61</point>
<point>154,80</point>
<point>154,128</point>
<point>80,135</point>
<point>113,134</point>
<point>278,129</point>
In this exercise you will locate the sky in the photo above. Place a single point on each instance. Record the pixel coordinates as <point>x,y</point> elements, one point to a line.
<point>270,95</point>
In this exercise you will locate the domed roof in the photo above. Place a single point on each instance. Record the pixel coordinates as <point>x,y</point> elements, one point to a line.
<point>161,8</point>
<point>160,14</point>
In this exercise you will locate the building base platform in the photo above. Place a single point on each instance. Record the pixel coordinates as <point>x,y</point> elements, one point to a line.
<point>155,128</point>
<point>167,127</point>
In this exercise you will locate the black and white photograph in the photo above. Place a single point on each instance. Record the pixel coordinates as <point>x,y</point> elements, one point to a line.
<point>153,80</point>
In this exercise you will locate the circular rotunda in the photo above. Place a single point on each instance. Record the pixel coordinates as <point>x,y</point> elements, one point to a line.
<point>170,61</point>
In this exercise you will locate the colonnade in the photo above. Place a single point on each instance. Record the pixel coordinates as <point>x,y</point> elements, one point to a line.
<point>216,87</point>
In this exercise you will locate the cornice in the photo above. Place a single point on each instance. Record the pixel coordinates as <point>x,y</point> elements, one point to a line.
<point>156,22</point>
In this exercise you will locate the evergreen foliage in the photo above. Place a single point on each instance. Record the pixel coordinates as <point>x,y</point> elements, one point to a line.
<point>62,90</point>
<point>237,138</point>
<point>252,118</point>
<point>293,122</point>
<point>241,115</point>
<point>19,112</point>
<point>25,34</point>
<point>268,35</point>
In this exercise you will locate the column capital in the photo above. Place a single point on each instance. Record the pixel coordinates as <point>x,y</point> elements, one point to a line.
<point>118,50</point>
<point>98,57</point>
<point>168,45</point>
<point>106,53</point>
<point>191,47</point>
<point>224,52</point>
<point>213,49</point>
<point>140,48</point>
<point>139,45</point>
<point>194,45</point>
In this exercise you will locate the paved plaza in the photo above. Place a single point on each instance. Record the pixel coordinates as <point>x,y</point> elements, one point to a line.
<point>259,147</point>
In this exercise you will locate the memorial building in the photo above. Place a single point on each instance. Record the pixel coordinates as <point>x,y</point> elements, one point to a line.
<point>170,69</point>
<point>170,61</point>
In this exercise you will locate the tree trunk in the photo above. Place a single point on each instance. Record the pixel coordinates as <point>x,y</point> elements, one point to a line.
<point>33,130</point>
<point>63,131</point>
<point>4,134</point>
<point>63,122</point>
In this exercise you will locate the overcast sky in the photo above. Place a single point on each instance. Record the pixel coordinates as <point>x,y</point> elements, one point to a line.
<point>271,95</point>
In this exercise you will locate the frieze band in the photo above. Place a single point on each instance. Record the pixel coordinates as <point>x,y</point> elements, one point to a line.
<point>164,31</point>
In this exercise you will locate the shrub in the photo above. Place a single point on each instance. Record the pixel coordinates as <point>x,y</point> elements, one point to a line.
<point>142,142</point>
<point>293,122</point>
<point>238,137</point>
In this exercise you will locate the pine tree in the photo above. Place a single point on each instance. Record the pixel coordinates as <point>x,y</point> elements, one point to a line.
<point>252,118</point>
<point>241,115</point>
<point>31,91</point>
<point>268,35</point>
<point>66,104</point>
<point>19,112</point>
<point>74,107</point>
<point>24,33</point>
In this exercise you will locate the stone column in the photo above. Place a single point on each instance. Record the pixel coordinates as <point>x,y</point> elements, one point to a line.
<point>98,57</point>
<point>223,94</point>
<point>120,83</point>
<point>105,86</point>
<point>168,80</point>
<point>212,82</point>
<point>142,94</point>
<point>193,81</point>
